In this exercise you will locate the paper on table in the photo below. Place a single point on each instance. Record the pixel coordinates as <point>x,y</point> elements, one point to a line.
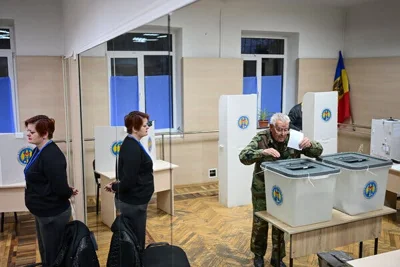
<point>295,138</point>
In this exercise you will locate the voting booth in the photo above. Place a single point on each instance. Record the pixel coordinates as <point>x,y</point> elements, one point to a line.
<point>108,140</point>
<point>320,119</point>
<point>237,126</point>
<point>15,153</point>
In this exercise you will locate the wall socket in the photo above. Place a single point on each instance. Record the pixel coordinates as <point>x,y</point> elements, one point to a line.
<point>212,173</point>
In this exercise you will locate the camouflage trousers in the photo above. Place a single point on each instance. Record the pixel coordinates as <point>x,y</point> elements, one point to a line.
<point>259,234</point>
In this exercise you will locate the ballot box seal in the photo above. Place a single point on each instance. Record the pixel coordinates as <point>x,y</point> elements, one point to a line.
<point>370,189</point>
<point>277,195</point>
<point>24,155</point>
<point>243,122</point>
<point>115,147</point>
<point>150,144</point>
<point>326,114</point>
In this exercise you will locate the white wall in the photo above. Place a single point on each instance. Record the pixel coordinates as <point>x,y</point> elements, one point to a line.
<point>37,24</point>
<point>212,28</point>
<point>211,25</point>
<point>372,30</point>
<point>88,23</point>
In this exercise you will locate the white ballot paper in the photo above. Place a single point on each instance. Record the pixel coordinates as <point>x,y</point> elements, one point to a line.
<point>295,138</point>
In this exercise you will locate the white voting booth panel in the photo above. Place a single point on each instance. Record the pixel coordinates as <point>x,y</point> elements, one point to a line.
<point>108,140</point>
<point>237,126</point>
<point>385,138</point>
<point>15,153</point>
<point>149,143</point>
<point>320,119</point>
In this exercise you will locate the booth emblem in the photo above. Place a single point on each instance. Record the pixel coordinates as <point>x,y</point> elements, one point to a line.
<point>277,195</point>
<point>243,122</point>
<point>24,155</point>
<point>326,114</point>
<point>150,144</point>
<point>370,189</point>
<point>115,147</point>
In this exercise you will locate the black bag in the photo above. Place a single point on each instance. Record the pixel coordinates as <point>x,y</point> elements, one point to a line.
<point>333,259</point>
<point>124,247</point>
<point>165,255</point>
<point>126,251</point>
<point>78,247</point>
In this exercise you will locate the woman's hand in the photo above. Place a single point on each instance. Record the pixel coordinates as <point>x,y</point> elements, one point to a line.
<point>74,191</point>
<point>108,187</point>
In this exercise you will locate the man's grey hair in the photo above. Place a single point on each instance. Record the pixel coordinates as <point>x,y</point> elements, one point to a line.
<point>279,117</point>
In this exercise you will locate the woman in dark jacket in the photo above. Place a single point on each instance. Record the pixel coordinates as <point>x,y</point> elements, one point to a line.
<point>47,192</point>
<point>135,182</point>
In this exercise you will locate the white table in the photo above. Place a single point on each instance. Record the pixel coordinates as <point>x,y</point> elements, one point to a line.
<point>163,186</point>
<point>12,199</point>
<point>387,259</point>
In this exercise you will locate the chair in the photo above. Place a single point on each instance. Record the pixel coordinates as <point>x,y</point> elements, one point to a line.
<point>2,221</point>
<point>98,183</point>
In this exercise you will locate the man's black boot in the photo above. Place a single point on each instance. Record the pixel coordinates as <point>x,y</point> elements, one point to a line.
<point>273,263</point>
<point>258,261</point>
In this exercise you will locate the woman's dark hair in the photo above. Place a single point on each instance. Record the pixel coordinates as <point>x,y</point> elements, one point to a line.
<point>43,125</point>
<point>135,120</point>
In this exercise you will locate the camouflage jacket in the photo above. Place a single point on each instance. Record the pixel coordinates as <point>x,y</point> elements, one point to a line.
<point>252,153</point>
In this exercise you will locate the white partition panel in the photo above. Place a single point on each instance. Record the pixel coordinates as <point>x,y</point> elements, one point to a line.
<point>320,119</point>
<point>108,140</point>
<point>15,153</point>
<point>149,142</point>
<point>237,126</point>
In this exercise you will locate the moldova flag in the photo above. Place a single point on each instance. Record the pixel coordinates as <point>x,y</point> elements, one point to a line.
<point>341,84</point>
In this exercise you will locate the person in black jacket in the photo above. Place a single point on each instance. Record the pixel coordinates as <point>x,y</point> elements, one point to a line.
<point>135,182</point>
<point>47,191</point>
<point>296,117</point>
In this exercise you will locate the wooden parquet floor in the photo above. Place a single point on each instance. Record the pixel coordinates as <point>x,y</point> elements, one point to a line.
<point>211,234</point>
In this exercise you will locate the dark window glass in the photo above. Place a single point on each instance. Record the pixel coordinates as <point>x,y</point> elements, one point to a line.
<point>5,39</point>
<point>157,65</point>
<point>140,42</point>
<point>271,66</point>
<point>249,68</point>
<point>3,67</point>
<point>263,46</point>
<point>124,67</point>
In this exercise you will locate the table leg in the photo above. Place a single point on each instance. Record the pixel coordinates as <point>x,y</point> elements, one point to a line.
<point>108,211</point>
<point>2,221</point>
<point>165,201</point>
<point>376,246</point>
<point>360,252</point>
<point>278,260</point>
<point>291,262</point>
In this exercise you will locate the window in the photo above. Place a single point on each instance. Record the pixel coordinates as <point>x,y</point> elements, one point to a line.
<point>7,93</point>
<point>263,46</point>
<point>5,39</point>
<point>264,71</point>
<point>140,42</point>
<point>141,79</point>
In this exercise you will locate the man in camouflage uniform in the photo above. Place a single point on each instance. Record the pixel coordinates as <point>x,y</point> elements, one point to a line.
<point>269,145</point>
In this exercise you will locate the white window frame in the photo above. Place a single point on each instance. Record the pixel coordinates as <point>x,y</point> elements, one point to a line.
<point>139,55</point>
<point>259,57</point>
<point>10,54</point>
